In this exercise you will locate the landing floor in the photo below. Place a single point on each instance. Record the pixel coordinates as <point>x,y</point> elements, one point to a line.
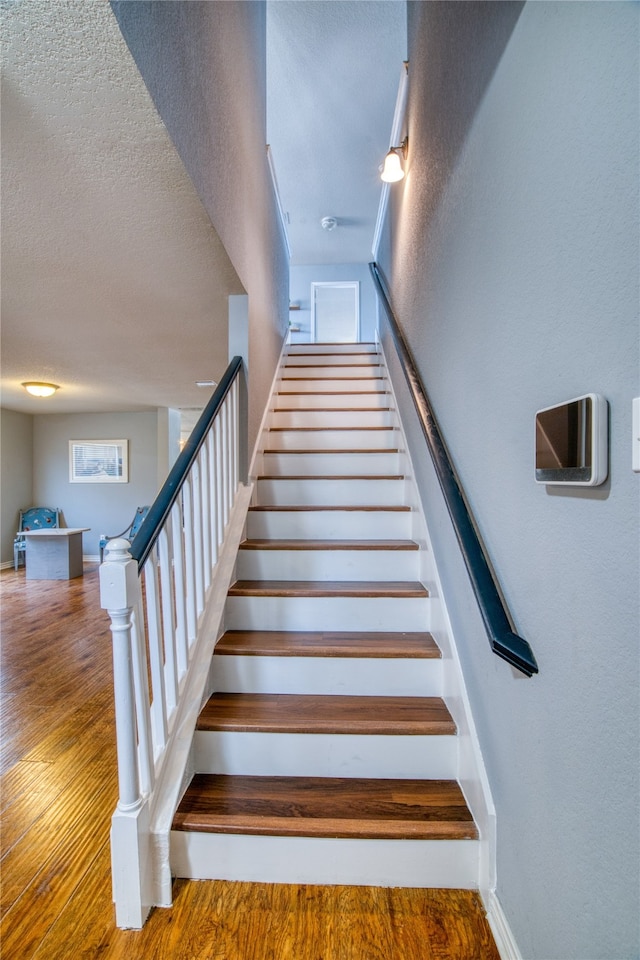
<point>58,791</point>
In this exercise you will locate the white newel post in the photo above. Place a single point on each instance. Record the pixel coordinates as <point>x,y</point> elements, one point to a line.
<point>130,860</point>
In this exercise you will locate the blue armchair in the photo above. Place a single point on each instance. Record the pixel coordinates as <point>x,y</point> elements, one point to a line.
<point>128,532</point>
<point>34,518</point>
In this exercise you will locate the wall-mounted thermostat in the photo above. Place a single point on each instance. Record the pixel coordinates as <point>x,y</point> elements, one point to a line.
<point>572,444</point>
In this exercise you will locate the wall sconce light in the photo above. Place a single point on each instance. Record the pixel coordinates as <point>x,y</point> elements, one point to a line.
<point>392,170</point>
<point>37,389</point>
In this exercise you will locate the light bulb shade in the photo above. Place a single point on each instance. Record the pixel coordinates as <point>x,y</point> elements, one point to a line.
<point>392,170</point>
<point>37,389</point>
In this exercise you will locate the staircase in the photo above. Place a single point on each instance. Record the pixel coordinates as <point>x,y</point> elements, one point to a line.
<point>326,753</point>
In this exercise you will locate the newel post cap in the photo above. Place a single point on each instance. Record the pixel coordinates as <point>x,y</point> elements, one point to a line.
<point>118,576</point>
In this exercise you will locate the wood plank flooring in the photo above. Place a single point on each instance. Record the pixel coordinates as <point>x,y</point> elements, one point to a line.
<point>58,794</point>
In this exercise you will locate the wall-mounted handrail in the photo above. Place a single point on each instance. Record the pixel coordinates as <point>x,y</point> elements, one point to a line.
<point>504,641</point>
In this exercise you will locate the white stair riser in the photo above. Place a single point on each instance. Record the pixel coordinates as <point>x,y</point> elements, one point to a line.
<point>295,349</point>
<point>445,864</point>
<point>324,371</point>
<point>325,755</point>
<point>321,492</point>
<point>329,525</point>
<point>327,613</point>
<point>328,565</point>
<point>326,385</point>
<point>349,440</point>
<point>341,676</point>
<point>292,399</point>
<point>331,418</point>
<point>337,359</point>
<point>322,464</point>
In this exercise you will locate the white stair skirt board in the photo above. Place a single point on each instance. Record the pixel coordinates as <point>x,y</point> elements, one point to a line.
<point>359,524</point>
<point>342,418</point>
<point>290,398</point>
<point>328,564</point>
<point>323,464</point>
<point>349,439</point>
<point>345,676</point>
<point>382,863</point>
<point>344,491</point>
<point>327,613</point>
<point>325,755</point>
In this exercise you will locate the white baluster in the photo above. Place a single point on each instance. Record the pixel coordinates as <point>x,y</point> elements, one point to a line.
<point>143,700</point>
<point>156,653</point>
<point>224,415</point>
<point>205,489</point>
<point>190,567</point>
<point>182,646</point>
<point>213,530</point>
<point>196,488</point>
<point>118,594</point>
<point>217,429</point>
<point>168,620</point>
<point>234,439</point>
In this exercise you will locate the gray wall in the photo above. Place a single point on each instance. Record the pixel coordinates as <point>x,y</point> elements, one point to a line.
<point>104,507</point>
<point>204,64</point>
<point>300,292</point>
<point>514,271</point>
<point>16,464</point>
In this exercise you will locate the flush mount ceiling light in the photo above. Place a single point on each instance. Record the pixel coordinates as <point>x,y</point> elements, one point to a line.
<point>392,170</point>
<point>328,223</point>
<point>37,389</point>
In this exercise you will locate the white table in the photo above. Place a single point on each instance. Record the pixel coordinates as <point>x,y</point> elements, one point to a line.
<point>54,554</point>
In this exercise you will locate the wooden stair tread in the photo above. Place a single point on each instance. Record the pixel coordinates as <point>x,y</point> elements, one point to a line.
<point>331,393</point>
<point>325,807</point>
<point>327,588</point>
<point>329,410</point>
<point>306,507</point>
<point>281,643</point>
<point>344,376</point>
<point>332,476</point>
<point>323,429</point>
<point>257,544</point>
<point>374,362</point>
<point>321,451</point>
<point>318,713</point>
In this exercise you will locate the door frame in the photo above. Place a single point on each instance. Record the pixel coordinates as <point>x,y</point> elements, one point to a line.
<point>348,284</point>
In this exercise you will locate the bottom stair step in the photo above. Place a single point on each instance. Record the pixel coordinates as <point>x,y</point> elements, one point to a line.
<point>326,807</point>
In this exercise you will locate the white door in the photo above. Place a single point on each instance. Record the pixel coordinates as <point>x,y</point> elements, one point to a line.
<point>335,313</point>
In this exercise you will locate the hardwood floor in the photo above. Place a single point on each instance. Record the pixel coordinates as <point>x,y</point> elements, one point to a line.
<point>59,791</point>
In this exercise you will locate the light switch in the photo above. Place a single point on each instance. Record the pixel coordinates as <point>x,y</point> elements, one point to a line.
<point>636,434</point>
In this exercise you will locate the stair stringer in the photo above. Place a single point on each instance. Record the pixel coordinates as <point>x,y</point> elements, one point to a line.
<point>471,773</point>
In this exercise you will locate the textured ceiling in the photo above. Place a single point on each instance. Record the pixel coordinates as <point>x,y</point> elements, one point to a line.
<point>333,69</point>
<point>107,253</point>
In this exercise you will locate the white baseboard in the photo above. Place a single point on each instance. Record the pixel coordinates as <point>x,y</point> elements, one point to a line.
<point>505,941</point>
